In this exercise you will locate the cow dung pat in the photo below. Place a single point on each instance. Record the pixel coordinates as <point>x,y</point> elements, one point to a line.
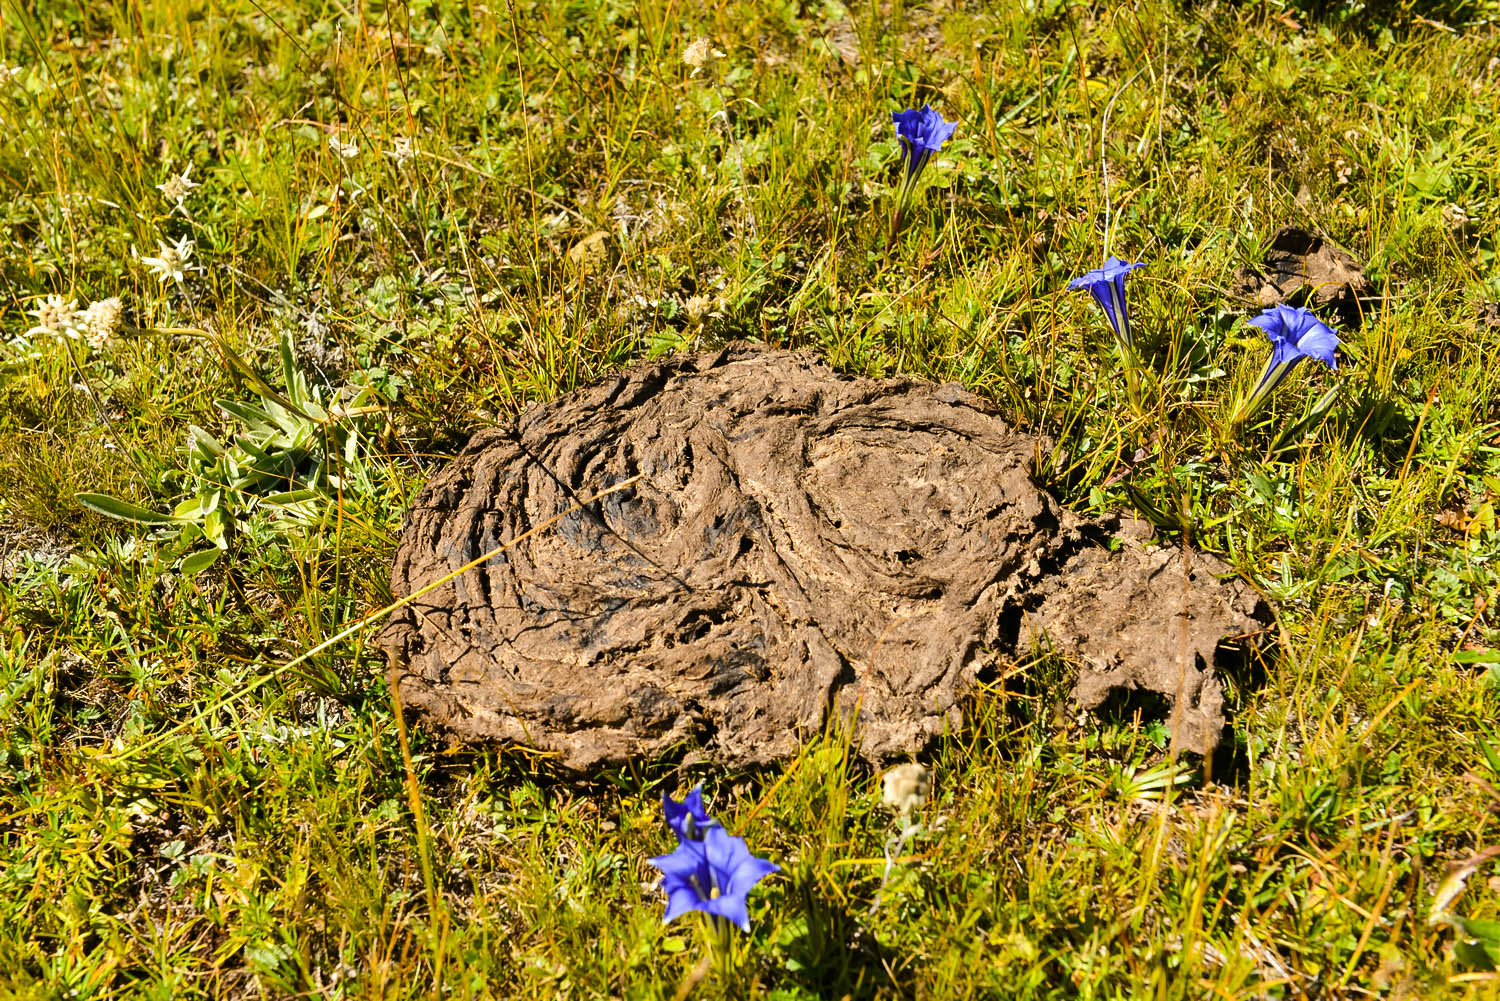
<point>1302,268</point>
<point>799,544</point>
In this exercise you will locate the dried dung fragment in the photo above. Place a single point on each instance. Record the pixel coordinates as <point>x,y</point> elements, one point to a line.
<point>1304,269</point>
<point>589,253</point>
<point>799,543</point>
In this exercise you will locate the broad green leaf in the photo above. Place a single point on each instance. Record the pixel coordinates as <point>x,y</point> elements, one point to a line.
<point>249,445</point>
<point>195,563</point>
<point>1487,932</point>
<point>255,417</point>
<point>1475,954</point>
<point>113,507</point>
<point>1488,750</point>
<point>215,527</point>
<point>205,441</point>
<point>192,509</point>
<point>291,497</point>
<point>286,420</point>
<point>289,368</point>
<point>245,371</point>
<point>315,410</point>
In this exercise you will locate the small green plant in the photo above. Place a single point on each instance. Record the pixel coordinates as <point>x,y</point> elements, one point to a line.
<point>294,455</point>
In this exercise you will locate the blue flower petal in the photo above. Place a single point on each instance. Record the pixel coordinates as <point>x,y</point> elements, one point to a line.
<point>686,861</point>
<point>1319,343</point>
<point>713,875</point>
<point>680,900</point>
<point>1294,319</point>
<point>1283,352</point>
<point>1271,323</point>
<point>1297,330</point>
<point>723,849</point>
<point>941,132</point>
<point>1107,286</point>
<point>1295,333</point>
<point>732,907</point>
<point>922,132</point>
<point>688,818</point>
<point>1115,267</point>
<point>748,872</point>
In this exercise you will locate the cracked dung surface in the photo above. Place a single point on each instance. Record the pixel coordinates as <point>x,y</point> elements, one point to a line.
<point>799,543</point>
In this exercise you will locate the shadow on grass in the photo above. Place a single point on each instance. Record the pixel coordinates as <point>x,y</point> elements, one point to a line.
<point>1384,423</point>
<point>1243,666</point>
<point>831,953</point>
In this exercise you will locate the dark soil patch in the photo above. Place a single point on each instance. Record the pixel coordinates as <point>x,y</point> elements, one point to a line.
<point>800,544</point>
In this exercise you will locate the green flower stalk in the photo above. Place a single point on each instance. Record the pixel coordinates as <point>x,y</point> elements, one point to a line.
<point>1295,334</point>
<point>1107,286</point>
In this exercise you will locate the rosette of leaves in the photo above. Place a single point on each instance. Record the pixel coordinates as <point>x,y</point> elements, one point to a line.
<point>292,454</point>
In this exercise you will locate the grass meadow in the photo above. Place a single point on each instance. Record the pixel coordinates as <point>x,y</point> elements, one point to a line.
<point>347,234</point>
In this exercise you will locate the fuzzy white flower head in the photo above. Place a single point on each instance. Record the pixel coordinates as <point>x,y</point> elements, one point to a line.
<point>906,788</point>
<point>699,52</point>
<point>172,264</point>
<point>402,149</point>
<point>57,317</point>
<point>101,320</point>
<point>347,150</point>
<point>697,308</point>
<point>177,188</point>
<point>313,324</point>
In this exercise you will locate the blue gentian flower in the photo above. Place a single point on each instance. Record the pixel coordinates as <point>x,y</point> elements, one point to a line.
<point>688,818</point>
<point>1107,286</point>
<point>1295,333</point>
<point>714,876</point>
<point>922,133</point>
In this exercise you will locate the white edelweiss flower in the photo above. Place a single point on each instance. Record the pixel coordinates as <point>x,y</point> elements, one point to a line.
<point>698,53</point>
<point>172,264</point>
<point>101,321</point>
<point>314,326</point>
<point>347,150</point>
<point>1454,216</point>
<point>55,316</point>
<point>402,149</point>
<point>906,788</point>
<point>177,188</point>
